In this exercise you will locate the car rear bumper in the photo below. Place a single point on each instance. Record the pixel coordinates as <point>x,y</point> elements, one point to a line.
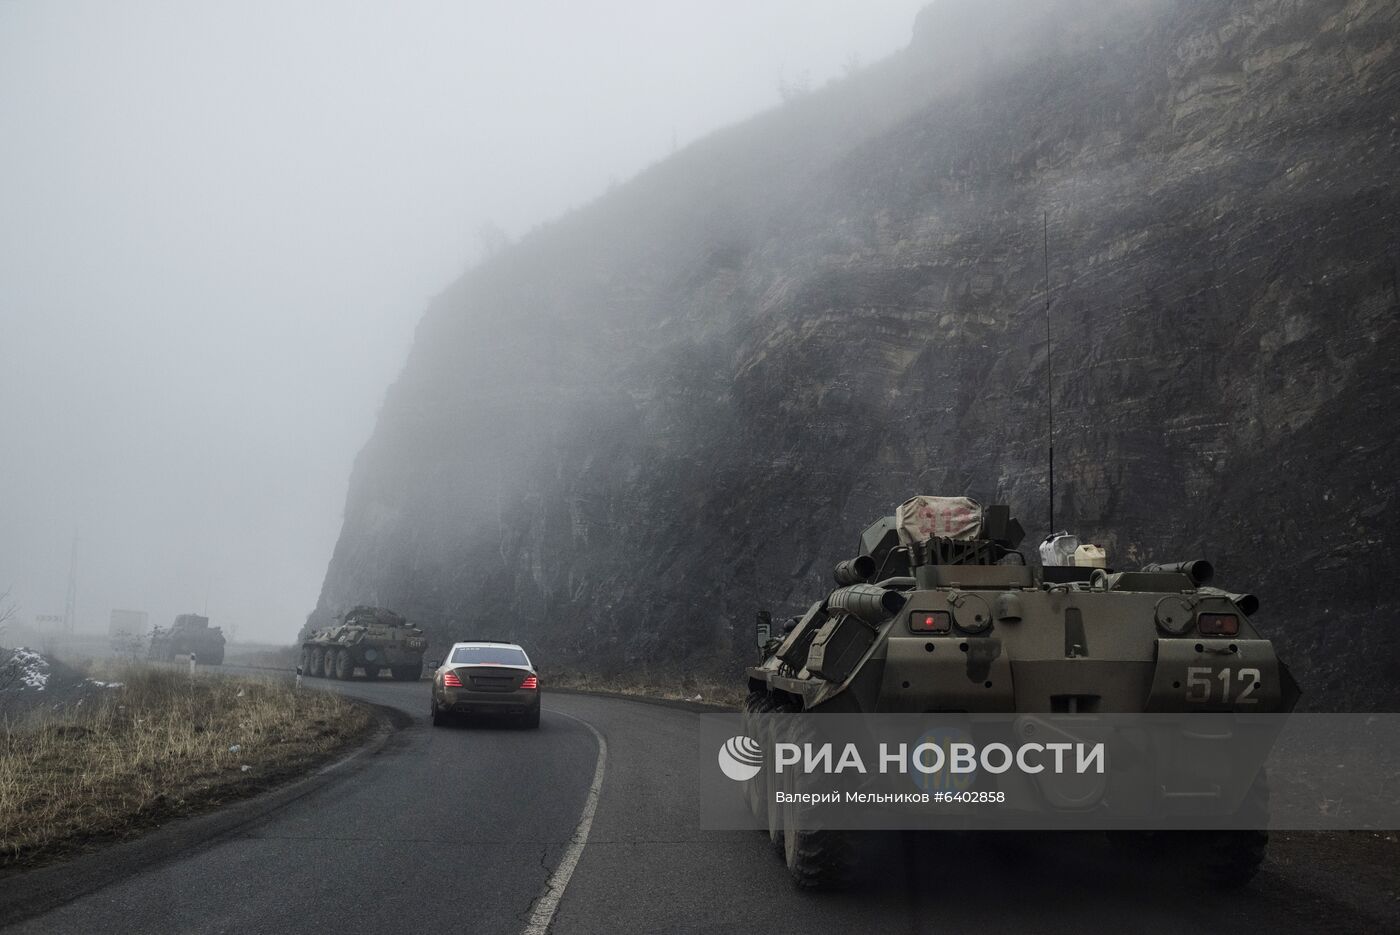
<point>464,701</point>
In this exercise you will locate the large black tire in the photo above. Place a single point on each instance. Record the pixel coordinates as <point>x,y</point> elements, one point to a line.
<point>344,665</point>
<point>772,810</point>
<point>371,672</point>
<point>1230,859</point>
<point>328,663</point>
<point>316,657</point>
<point>821,860</point>
<point>405,673</point>
<point>1226,859</point>
<point>817,860</point>
<point>756,790</point>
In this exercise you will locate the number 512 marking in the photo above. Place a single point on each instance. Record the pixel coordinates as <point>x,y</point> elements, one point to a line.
<point>1200,684</point>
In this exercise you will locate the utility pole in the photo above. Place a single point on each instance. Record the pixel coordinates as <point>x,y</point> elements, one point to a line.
<point>70,605</point>
<point>1049,374</point>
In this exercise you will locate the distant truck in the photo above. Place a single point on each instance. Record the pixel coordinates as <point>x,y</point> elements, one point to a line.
<point>127,630</point>
<point>190,633</point>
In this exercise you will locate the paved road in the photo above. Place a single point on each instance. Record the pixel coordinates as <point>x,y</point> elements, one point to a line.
<point>460,831</point>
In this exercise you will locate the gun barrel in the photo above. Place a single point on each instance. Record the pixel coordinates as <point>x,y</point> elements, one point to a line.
<point>867,602</point>
<point>854,570</point>
<point>1198,570</point>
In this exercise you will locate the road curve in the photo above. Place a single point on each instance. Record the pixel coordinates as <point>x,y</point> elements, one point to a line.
<point>463,830</point>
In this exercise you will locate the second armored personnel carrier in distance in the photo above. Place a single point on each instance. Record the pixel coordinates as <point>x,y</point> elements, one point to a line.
<point>370,639</point>
<point>940,612</point>
<point>190,633</point>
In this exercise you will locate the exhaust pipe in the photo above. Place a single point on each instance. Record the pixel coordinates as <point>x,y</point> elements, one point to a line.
<point>854,570</point>
<point>867,602</point>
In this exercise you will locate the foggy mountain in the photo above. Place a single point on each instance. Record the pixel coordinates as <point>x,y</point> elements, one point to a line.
<point>616,439</point>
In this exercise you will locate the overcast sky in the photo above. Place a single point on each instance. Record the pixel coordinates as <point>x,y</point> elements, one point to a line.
<point>220,223</point>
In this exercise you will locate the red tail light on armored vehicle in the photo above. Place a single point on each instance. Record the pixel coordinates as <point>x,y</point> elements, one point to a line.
<point>1218,624</point>
<point>930,621</point>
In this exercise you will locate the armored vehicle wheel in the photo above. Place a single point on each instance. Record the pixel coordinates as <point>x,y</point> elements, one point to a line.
<point>328,663</point>
<point>767,788</point>
<point>404,673</point>
<point>316,661</point>
<point>1225,859</point>
<point>817,860</point>
<point>371,672</point>
<point>756,791</point>
<point>1230,859</point>
<point>344,665</point>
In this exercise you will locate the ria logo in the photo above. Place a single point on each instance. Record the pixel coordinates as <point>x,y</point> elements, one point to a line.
<point>741,758</point>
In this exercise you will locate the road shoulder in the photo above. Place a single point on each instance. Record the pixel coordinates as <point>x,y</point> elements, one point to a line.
<point>33,892</point>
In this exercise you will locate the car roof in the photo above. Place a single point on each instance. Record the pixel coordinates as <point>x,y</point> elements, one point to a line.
<point>488,643</point>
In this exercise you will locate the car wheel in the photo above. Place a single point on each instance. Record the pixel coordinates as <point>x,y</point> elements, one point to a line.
<point>439,718</point>
<point>532,719</point>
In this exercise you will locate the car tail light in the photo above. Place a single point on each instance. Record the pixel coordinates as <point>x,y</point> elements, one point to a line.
<point>450,680</point>
<point>1218,624</point>
<point>530,682</point>
<point>930,621</point>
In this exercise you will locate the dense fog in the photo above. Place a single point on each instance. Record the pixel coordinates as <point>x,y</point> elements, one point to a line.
<point>220,224</point>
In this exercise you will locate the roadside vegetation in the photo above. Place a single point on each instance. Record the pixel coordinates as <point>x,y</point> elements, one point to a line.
<point>153,743</point>
<point>648,685</point>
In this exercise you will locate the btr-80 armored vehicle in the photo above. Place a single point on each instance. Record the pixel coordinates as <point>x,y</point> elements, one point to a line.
<point>939,612</point>
<point>190,633</point>
<point>368,638</point>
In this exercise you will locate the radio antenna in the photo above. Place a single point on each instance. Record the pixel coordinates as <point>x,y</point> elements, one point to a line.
<point>1049,371</point>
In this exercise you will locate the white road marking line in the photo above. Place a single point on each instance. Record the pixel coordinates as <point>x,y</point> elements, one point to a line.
<point>548,901</point>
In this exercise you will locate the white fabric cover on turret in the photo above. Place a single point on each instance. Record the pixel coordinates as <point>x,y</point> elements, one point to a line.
<point>922,518</point>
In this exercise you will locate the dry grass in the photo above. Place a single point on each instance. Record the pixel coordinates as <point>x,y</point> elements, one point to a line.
<point>678,688</point>
<point>156,748</point>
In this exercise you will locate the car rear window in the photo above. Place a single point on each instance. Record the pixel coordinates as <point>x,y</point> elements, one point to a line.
<point>488,656</point>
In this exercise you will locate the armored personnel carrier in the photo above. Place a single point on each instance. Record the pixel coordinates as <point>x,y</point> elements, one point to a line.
<point>940,612</point>
<point>371,639</point>
<point>190,633</point>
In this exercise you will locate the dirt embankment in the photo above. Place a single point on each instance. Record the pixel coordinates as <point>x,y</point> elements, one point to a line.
<point>145,744</point>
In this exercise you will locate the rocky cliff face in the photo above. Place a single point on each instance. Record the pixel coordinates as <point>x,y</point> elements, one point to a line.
<point>620,437</point>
